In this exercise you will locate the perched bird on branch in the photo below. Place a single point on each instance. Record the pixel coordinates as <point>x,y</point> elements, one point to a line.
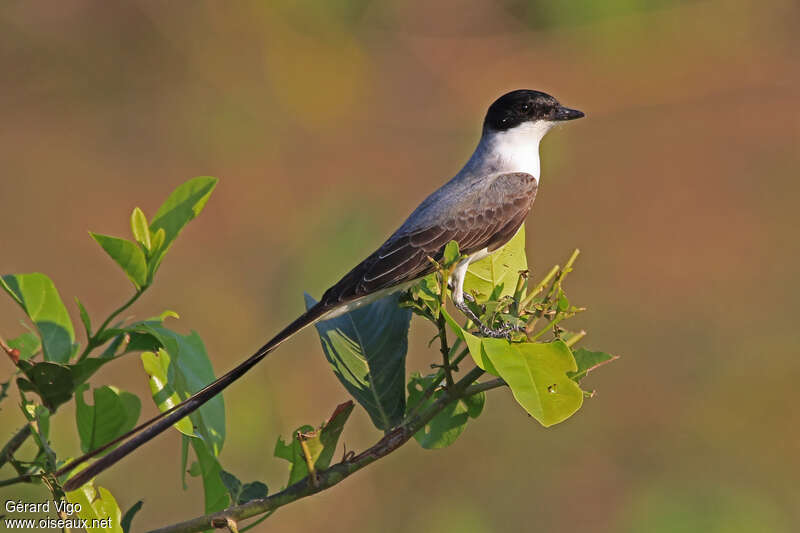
<point>481,208</point>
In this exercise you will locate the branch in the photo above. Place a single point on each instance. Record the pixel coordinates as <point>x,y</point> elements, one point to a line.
<point>333,475</point>
<point>445,349</point>
<point>27,478</point>
<point>14,443</point>
<point>486,385</point>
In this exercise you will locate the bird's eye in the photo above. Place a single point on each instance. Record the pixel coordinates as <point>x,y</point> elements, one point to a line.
<point>524,108</point>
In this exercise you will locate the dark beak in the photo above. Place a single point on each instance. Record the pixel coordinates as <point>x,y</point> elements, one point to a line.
<point>565,113</point>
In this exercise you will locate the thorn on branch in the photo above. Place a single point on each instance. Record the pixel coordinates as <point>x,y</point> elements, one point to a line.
<point>347,456</point>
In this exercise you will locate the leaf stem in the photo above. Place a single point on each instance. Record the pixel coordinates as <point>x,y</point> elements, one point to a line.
<point>551,324</point>
<point>571,261</point>
<point>558,275</point>
<point>539,286</point>
<point>572,341</point>
<point>92,342</point>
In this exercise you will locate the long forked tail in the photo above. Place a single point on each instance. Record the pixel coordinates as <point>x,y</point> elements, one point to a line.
<point>160,423</point>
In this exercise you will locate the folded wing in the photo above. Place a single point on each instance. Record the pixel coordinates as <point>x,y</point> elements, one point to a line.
<point>486,217</point>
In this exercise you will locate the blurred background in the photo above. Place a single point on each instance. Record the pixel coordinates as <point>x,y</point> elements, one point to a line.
<point>327,122</point>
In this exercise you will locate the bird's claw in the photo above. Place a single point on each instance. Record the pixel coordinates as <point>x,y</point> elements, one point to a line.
<point>503,332</point>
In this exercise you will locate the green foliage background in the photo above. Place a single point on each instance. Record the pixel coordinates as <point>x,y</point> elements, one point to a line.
<point>679,188</point>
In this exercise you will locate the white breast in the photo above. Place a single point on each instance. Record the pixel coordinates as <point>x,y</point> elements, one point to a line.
<point>514,150</point>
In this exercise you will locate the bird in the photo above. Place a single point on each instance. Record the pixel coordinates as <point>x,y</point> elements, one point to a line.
<point>481,208</point>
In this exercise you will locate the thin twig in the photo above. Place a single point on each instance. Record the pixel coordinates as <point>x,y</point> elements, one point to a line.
<point>428,392</point>
<point>538,288</point>
<point>14,443</point>
<point>92,342</point>
<point>575,338</point>
<point>445,349</point>
<point>533,336</point>
<point>19,479</point>
<point>555,289</point>
<point>12,353</point>
<point>486,385</point>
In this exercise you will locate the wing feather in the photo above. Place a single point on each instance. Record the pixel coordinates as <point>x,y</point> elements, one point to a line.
<point>488,217</point>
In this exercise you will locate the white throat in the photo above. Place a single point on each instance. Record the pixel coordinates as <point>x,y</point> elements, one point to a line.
<point>514,150</point>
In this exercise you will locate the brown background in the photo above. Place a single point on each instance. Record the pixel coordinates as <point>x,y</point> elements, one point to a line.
<point>326,126</point>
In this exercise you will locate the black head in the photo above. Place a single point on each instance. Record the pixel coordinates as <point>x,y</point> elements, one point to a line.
<point>524,105</point>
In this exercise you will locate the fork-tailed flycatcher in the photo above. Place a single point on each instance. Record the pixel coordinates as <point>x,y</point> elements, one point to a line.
<point>481,208</point>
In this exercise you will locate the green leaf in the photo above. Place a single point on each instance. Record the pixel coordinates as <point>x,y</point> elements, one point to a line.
<point>194,470</point>
<point>87,322</point>
<point>184,371</point>
<point>563,302</point>
<point>51,381</point>
<point>588,361</point>
<point>113,414</point>
<point>38,417</point>
<point>474,344</point>
<point>447,426</point>
<point>54,382</point>
<point>215,494</point>
<point>232,485</point>
<point>127,518</point>
<point>427,293</point>
<point>28,345</point>
<point>537,375</point>
<point>184,204</point>
<point>451,253</point>
<point>240,493</point>
<point>134,339</point>
<point>367,349</point>
<point>127,255</point>
<point>475,404</point>
<point>254,490</point>
<point>97,505</point>
<point>83,370</point>
<point>156,365</point>
<point>38,297</point>
<point>141,342</point>
<point>140,229</point>
<point>496,276</point>
<point>321,444</point>
<point>157,241</point>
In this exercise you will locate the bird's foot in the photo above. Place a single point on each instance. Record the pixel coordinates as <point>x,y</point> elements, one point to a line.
<point>503,332</point>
